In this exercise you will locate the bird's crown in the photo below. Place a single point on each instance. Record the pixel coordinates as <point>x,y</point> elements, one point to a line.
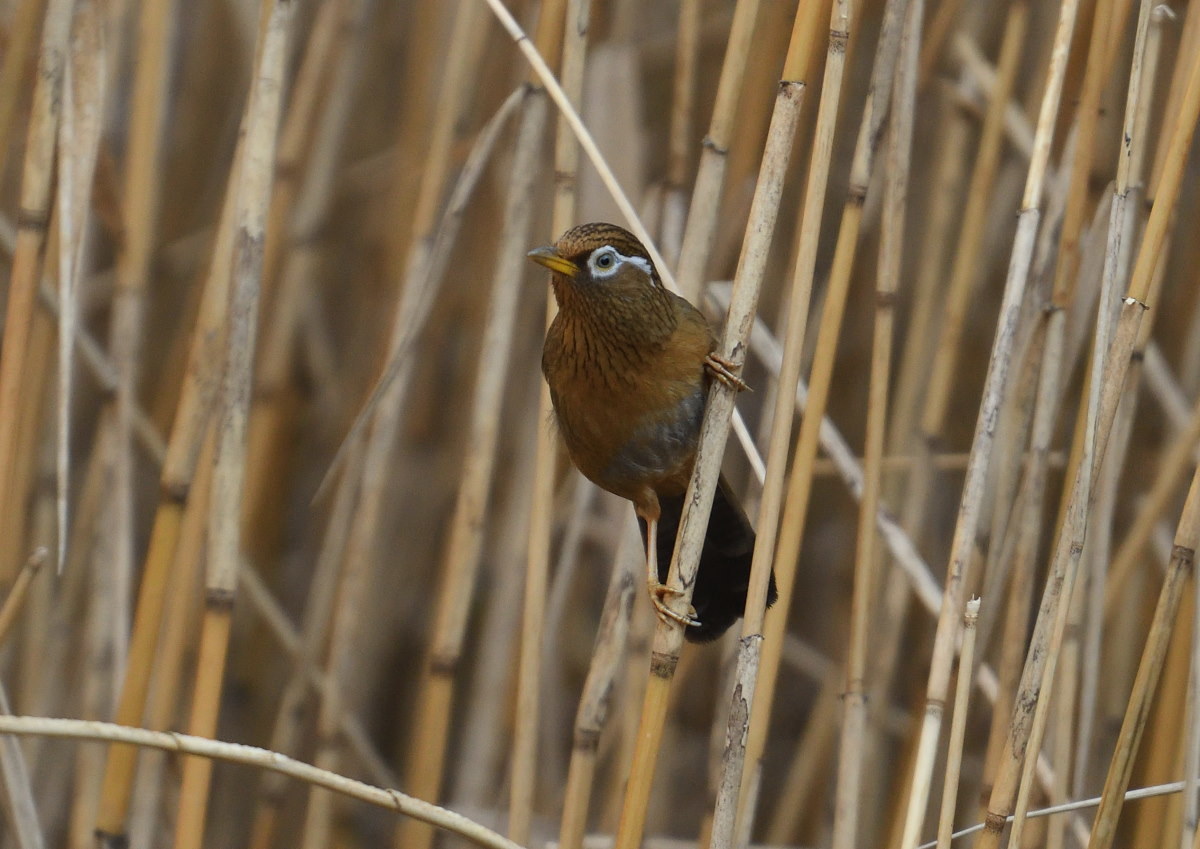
<point>579,243</point>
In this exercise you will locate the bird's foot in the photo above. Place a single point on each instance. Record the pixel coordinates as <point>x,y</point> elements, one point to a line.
<point>658,594</point>
<point>722,370</point>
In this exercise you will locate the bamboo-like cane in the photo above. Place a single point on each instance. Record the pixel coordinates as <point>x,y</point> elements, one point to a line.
<point>714,156</point>
<point>683,108</point>
<point>432,725</point>
<point>795,503</point>
<point>1183,556</point>
<point>262,126</point>
<point>669,637</point>
<point>995,385</point>
<point>958,725</point>
<point>32,220</point>
<point>185,444</point>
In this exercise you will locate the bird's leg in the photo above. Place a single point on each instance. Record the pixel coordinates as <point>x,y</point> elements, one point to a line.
<point>658,590</point>
<point>722,370</point>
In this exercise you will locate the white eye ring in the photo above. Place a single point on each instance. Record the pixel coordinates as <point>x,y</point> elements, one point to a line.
<point>605,262</point>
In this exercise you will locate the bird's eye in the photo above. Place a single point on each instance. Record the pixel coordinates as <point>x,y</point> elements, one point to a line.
<point>605,260</point>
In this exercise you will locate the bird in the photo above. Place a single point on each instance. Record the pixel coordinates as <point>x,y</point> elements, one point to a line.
<point>629,365</point>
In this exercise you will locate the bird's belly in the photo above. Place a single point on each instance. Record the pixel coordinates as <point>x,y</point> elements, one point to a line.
<point>626,452</point>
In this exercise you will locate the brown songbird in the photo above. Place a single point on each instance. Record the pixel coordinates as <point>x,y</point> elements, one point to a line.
<point>629,365</point>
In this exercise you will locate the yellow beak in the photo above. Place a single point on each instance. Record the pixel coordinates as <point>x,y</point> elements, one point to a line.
<point>549,256</point>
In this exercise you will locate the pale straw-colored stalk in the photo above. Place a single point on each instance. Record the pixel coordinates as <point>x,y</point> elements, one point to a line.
<point>22,33</point>
<point>683,108</point>
<point>848,807</point>
<point>239,753</point>
<point>702,215</point>
<point>958,725</point>
<point>575,16</point>
<point>224,532</point>
<point>995,386</point>
<point>16,793</point>
<point>14,601</point>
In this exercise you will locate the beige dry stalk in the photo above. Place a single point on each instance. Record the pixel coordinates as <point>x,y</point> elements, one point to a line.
<point>958,725</point>
<point>702,215</point>
<point>32,221</point>
<point>224,532</point>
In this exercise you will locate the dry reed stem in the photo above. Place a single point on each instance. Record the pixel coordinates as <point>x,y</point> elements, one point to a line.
<point>431,728</point>
<point>934,38</point>
<point>83,85</point>
<point>15,600</point>
<point>594,702</point>
<point>224,532</point>
<point>32,220</point>
<point>574,16</point>
<point>848,795</point>
<point>1183,555</point>
<point>701,230</point>
<point>958,725</point>
<point>204,747</point>
<point>799,297</point>
<point>139,214</point>
<point>22,32</point>
<point>995,386</point>
<point>200,383</point>
<point>679,146</point>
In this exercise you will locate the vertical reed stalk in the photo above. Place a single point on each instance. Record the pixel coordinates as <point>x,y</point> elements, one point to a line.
<point>32,220</point>
<point>431,728</point>
<point>22,32</point>
<point>224,532</point>
<point>683,108</point>
<point>958,726</point>
<point>575,16</point>
<point>714,155</point>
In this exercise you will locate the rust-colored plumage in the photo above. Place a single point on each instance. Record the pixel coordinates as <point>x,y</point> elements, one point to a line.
<point>629,363</point>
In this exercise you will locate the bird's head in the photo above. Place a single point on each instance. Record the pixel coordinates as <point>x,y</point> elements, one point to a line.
<point>596,258</point>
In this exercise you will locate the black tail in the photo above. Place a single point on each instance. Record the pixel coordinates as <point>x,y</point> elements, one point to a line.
<point>724,574</point>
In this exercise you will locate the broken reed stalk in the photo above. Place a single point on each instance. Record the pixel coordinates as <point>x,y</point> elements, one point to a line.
<point>575,16</point>
<point>15,600</point>
<point>848,793</point>
<point>995,385</point>
<point>958,725</point>
<point>702,214</point>
<point>192,414</point>
<point>239,753</point>
<point>33,217</point>
<point>224,532</point>
<point>608,655</point>
<point>1106,395</point>
<point>431,727</point>
<point>1180,570</point>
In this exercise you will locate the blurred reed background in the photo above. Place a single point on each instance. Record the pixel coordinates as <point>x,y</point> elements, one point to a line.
<point>228,220</point>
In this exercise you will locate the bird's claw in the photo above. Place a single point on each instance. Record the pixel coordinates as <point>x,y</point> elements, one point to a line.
<point>722,370</point>
<point>658,592</point>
